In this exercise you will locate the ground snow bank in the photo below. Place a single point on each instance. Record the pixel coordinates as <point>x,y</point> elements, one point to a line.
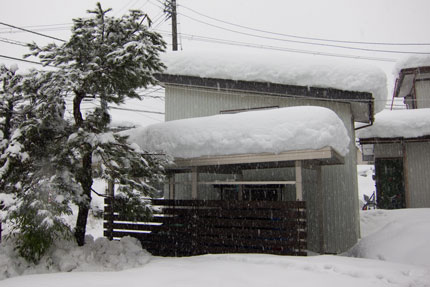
<point>95,255</point>
<point>401,235</point>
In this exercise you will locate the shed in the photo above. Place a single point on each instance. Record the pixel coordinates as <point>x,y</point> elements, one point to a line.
<point>222,157</point>
<point>399,144</point>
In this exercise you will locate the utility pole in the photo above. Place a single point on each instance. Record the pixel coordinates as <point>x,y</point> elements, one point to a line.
<point>170,10</point>
<point>174,27</point>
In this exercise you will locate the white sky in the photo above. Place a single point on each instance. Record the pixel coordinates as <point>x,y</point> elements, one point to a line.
<point>389,21</point>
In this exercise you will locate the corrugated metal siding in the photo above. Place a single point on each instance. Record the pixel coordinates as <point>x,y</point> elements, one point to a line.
<point>418,169</point>
<point>393,150</point>
<point>423,94</point>
<point>341,222</point>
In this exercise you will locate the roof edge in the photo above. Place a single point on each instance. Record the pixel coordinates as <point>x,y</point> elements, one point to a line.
<point>265,87</point>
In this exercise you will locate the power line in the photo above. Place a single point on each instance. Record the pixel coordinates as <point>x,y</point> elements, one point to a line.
<point>304,42</point>
<point>277,48</point>
<point>305,38</point>
<point>33,32</point>
<point>67,25</point>
<point>13,42</point>
<point>23,60</point>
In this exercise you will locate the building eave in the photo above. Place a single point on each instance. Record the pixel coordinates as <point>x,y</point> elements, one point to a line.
<point>385,140</point>
<point>362,103</point>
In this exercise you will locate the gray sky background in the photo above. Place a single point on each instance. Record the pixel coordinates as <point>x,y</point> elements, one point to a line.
<point>386,21</point>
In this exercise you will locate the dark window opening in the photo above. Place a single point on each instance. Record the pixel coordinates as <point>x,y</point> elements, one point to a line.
<point>271,192</point>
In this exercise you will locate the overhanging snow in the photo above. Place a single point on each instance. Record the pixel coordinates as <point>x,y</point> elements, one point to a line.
<point>278,68</point>
<point>399,123</point>
<point>268,131</point>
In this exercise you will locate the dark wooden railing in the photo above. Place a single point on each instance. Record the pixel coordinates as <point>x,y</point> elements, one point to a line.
<point>193,227</point>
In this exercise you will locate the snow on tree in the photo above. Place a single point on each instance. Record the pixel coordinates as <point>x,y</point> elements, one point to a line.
<point>50,160</point>
<point>107,58</point>
<point>37,170</point>
<point>9,101</point>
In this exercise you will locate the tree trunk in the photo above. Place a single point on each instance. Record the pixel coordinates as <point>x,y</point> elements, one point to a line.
<point>85,177</point>
<point>86,182</point>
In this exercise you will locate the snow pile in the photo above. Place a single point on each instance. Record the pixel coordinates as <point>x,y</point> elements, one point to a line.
<point>271,131</point>
<point>398,123</point>
<point>395,235</point>
<point>64,256</point>
<point>275,67</point>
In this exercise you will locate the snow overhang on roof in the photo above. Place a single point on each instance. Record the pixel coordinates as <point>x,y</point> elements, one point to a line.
<point>409,69</point>
<point>284,131</point>
<point>331,79</point>
<point>398,125</point>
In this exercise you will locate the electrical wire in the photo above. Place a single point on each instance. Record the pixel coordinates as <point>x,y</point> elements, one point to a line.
<point>23,60</point>
<point>13,42</point>
<point>302,37</point>
<point>33,32</point>
<point>304,42</point>
<point>276,48</point>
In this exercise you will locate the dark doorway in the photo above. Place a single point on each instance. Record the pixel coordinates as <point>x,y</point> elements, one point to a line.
<point>390,186</point>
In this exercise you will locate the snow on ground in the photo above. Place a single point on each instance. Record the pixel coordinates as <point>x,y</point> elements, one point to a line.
<point>398,123</point>
<point>404,236</point>
<point>396,241</point>
<point>242,270</point>
<point>280,68</point>
<point>366,184</point>
<point>272,131</point>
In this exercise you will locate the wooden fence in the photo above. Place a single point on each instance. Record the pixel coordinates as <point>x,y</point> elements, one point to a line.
<point>193,227</point>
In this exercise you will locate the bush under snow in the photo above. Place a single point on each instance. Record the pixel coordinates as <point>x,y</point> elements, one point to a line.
<point>65,256</point>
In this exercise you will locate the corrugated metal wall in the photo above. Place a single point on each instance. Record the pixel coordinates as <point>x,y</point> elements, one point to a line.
<point>418,171</point>
<point>423,93</point>
<point>340,191</point>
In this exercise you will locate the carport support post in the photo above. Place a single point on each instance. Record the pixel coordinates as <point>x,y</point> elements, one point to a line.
<point>299,185</point>
<point>172,186</point>
<point>194,182</point>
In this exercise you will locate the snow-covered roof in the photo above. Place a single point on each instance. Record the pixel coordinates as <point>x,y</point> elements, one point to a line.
<point>275,67</point>
<point>268,131</point>
<point>413,61</point>
<point>399,123</point>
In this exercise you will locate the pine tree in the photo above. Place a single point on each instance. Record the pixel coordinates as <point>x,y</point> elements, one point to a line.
<point>9,101</point>
<point>35,171</point>
<point>106,58</point>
